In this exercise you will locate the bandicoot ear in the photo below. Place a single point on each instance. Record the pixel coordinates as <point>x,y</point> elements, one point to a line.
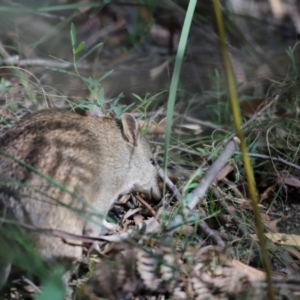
<point>131,128</point>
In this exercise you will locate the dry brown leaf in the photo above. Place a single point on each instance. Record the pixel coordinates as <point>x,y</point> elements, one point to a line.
<point>111,226</point>
<point>152,128</point>
<point>266,192</point>
<point>124,198</point>
<point>155,72</point>
<point>6,113</point>
<point>187,230</point>
<point>195,127</point>
<point>264,217</point>
<point>232,208</point>
<point>273,224</point>
<point>146,204</point>
<point>252,273</point>
<point>158,31</point>
<point>249,107</point>
<point>278,9</point>
<point>238,69</point>
<point>163,122</point>
<point>224,172</point>
<point>246,204</point>
<point>281,238</point>
<point>292,181</point>
<point>130,213</point>
<point>225,218</point>
<point>138,219</point>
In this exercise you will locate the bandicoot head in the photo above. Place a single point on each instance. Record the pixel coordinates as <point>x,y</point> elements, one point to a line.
<point>142,174</point>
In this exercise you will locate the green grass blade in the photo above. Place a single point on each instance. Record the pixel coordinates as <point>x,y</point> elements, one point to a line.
<point>73,6</point>
<point>175,75</point>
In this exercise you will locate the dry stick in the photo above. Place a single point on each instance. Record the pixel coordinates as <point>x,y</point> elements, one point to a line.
<point>212,234</point>
<point>145,203</point>
<point>278,159</point>
<point>50,63</point>
<point>202,123</point>
<point>201,189</point>
<point>29,282</point>
<point>172,187</point>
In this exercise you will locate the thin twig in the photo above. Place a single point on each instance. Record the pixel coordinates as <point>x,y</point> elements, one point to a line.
<point>278,159</point>
<point>29,282</point>
<point>146,204</point>
<point>172,187</point>
<point>212,234</point>
<point>202,123</point>
<point>50,63</point>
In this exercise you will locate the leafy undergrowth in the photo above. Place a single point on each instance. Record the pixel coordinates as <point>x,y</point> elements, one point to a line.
<point>169,251</point>
<point>218,258</point>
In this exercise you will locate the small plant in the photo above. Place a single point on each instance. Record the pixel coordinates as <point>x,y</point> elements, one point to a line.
<point>93,85</point>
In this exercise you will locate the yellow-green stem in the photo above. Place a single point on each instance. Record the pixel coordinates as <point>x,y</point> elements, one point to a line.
<point>248,168</point>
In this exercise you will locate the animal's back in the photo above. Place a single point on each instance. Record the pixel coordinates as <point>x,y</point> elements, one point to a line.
<point>66,148</point>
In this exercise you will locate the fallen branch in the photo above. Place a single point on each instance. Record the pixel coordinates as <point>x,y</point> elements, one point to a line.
<point>200,191</point>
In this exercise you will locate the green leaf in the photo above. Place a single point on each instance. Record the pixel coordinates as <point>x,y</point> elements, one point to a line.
<point>80,47</point>
<point>105,75</point>
<point>90,81</point>
<point>203,151</point>
<point>101,94</point>
<point>62,60</point>
<point>138,97</point>
<point>73,36</point>
<point>62,71</point>
<point>121,109</point>
<point>192,185</point>
<point>89,52</point>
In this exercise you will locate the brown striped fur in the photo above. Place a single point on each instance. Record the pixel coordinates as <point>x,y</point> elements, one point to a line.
<point>95,158</point>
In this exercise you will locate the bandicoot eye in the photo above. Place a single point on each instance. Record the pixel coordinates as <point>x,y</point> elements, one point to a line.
<point>152,161</point>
